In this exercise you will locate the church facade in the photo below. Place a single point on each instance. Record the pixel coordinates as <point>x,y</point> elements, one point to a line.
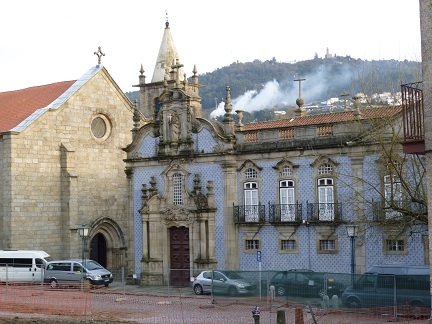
<point>61,167</point>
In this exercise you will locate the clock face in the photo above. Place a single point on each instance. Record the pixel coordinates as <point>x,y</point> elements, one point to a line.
<point>100,127</point>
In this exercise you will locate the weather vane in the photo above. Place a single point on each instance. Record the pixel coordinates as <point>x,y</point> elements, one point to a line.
<point>99,55</point>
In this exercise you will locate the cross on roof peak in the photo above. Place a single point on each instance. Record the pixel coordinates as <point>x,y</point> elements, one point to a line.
<point>99,55</point>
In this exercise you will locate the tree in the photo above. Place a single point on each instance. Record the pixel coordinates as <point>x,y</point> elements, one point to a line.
<point>392,195</point>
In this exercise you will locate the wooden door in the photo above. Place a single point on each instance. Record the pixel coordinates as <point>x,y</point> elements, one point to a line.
<point>180,259</point>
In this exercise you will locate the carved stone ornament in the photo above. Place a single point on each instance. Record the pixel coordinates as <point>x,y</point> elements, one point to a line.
<point>176,216</point>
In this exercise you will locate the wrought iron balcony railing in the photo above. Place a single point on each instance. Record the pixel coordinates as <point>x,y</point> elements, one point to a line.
<point>285,213</point>
<point>249,214</point>
<point>324,212</point>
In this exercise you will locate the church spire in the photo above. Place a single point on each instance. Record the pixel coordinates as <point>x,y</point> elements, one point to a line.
<point>167,54</point>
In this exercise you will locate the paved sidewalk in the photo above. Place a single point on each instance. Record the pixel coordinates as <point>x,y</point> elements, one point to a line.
<point>152,290</point>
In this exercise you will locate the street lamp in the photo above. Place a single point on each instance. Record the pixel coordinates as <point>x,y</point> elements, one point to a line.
<point>352,232</point>
<point>83,231</point>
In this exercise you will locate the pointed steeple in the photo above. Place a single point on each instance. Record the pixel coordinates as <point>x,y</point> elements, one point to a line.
<point>167,55</point>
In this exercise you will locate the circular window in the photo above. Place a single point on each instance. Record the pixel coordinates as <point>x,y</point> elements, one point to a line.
<point>100,127</point>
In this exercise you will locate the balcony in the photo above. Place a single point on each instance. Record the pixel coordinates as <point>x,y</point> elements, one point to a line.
<point>413,118</point>
<point>383,211</point>
<point>324,213</point>
<point>285,214</point>
<point>249,214</point>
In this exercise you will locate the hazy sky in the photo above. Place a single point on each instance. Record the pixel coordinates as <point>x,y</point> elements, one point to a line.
<point>47,41</point>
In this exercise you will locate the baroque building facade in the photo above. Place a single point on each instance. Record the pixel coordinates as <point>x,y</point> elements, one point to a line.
<point>210,195</point>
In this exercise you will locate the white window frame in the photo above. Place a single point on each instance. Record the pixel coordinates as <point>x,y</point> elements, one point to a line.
<point>251,245</point>
<point>287,200</point>
<point>326,210</point>
<point>251,201</point>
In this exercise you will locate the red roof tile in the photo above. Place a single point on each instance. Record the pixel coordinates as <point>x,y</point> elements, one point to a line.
<point>15,106</point>
<point>329,118</point>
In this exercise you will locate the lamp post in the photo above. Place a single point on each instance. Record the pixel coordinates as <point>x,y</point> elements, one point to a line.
<point>352,232</point>
<point>306,222</point>
<point>83,231</point>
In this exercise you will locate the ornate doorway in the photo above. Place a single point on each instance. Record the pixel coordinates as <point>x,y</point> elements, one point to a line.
<point>98,249</point>
<point>180,256</point>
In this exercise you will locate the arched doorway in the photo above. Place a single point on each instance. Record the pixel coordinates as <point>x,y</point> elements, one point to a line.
<point>98,249</point>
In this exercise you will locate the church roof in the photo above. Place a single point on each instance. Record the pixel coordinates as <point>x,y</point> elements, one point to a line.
<point>167,56</point>
<point>15,106</point>
<point>20,108</point>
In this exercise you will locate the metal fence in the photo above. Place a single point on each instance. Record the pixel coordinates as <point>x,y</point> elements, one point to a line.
<point>297,296</point>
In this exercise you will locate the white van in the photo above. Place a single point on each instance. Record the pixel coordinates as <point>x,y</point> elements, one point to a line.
<point>22,265</point>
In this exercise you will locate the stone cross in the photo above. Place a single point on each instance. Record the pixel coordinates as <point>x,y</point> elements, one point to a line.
<point>299,81</point>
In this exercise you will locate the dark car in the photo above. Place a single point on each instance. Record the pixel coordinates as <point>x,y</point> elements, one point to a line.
<point>305,283</point>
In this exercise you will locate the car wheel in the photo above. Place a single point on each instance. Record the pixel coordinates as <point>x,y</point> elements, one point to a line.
<point>198,290</point>
<point>280,291</point>
<point>232,291</point>
<point>53,283</point>
<point>353,302</point>
<point>417,309</point>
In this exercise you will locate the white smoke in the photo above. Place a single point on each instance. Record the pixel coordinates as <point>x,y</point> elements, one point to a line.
<point>315,86</point>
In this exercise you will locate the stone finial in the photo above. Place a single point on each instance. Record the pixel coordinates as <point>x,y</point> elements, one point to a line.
<point>228,105</point>
<point>185,83</point>
<point>195,75</point>
<point>144,196</point>
<point>210,194</point>
<point>240,117</point>
<point>142,76</point>
<point>136,116</point>
<point>152,189</point>
<point>197,187</point>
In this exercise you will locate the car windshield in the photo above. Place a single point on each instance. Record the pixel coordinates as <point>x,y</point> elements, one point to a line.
<point>92,265</point>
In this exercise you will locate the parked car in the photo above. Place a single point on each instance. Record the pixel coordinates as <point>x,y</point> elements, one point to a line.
<point>73,271</point>
<point>222,282</point>
<point>307,283</point>
<point>383,285</point>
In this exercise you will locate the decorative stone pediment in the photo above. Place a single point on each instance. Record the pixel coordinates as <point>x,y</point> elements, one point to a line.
<point>323,159</point>
<point>176,216</point>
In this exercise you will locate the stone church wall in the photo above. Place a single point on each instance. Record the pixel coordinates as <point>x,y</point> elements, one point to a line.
<point>64,177</point>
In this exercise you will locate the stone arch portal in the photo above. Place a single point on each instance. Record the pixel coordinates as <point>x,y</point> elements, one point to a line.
<point>107,245</point>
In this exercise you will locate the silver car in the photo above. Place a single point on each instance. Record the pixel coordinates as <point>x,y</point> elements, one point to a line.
<point>222,282</point>
<point>74,271</point>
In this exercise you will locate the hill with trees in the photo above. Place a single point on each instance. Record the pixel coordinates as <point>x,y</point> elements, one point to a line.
<point>261,88</point>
